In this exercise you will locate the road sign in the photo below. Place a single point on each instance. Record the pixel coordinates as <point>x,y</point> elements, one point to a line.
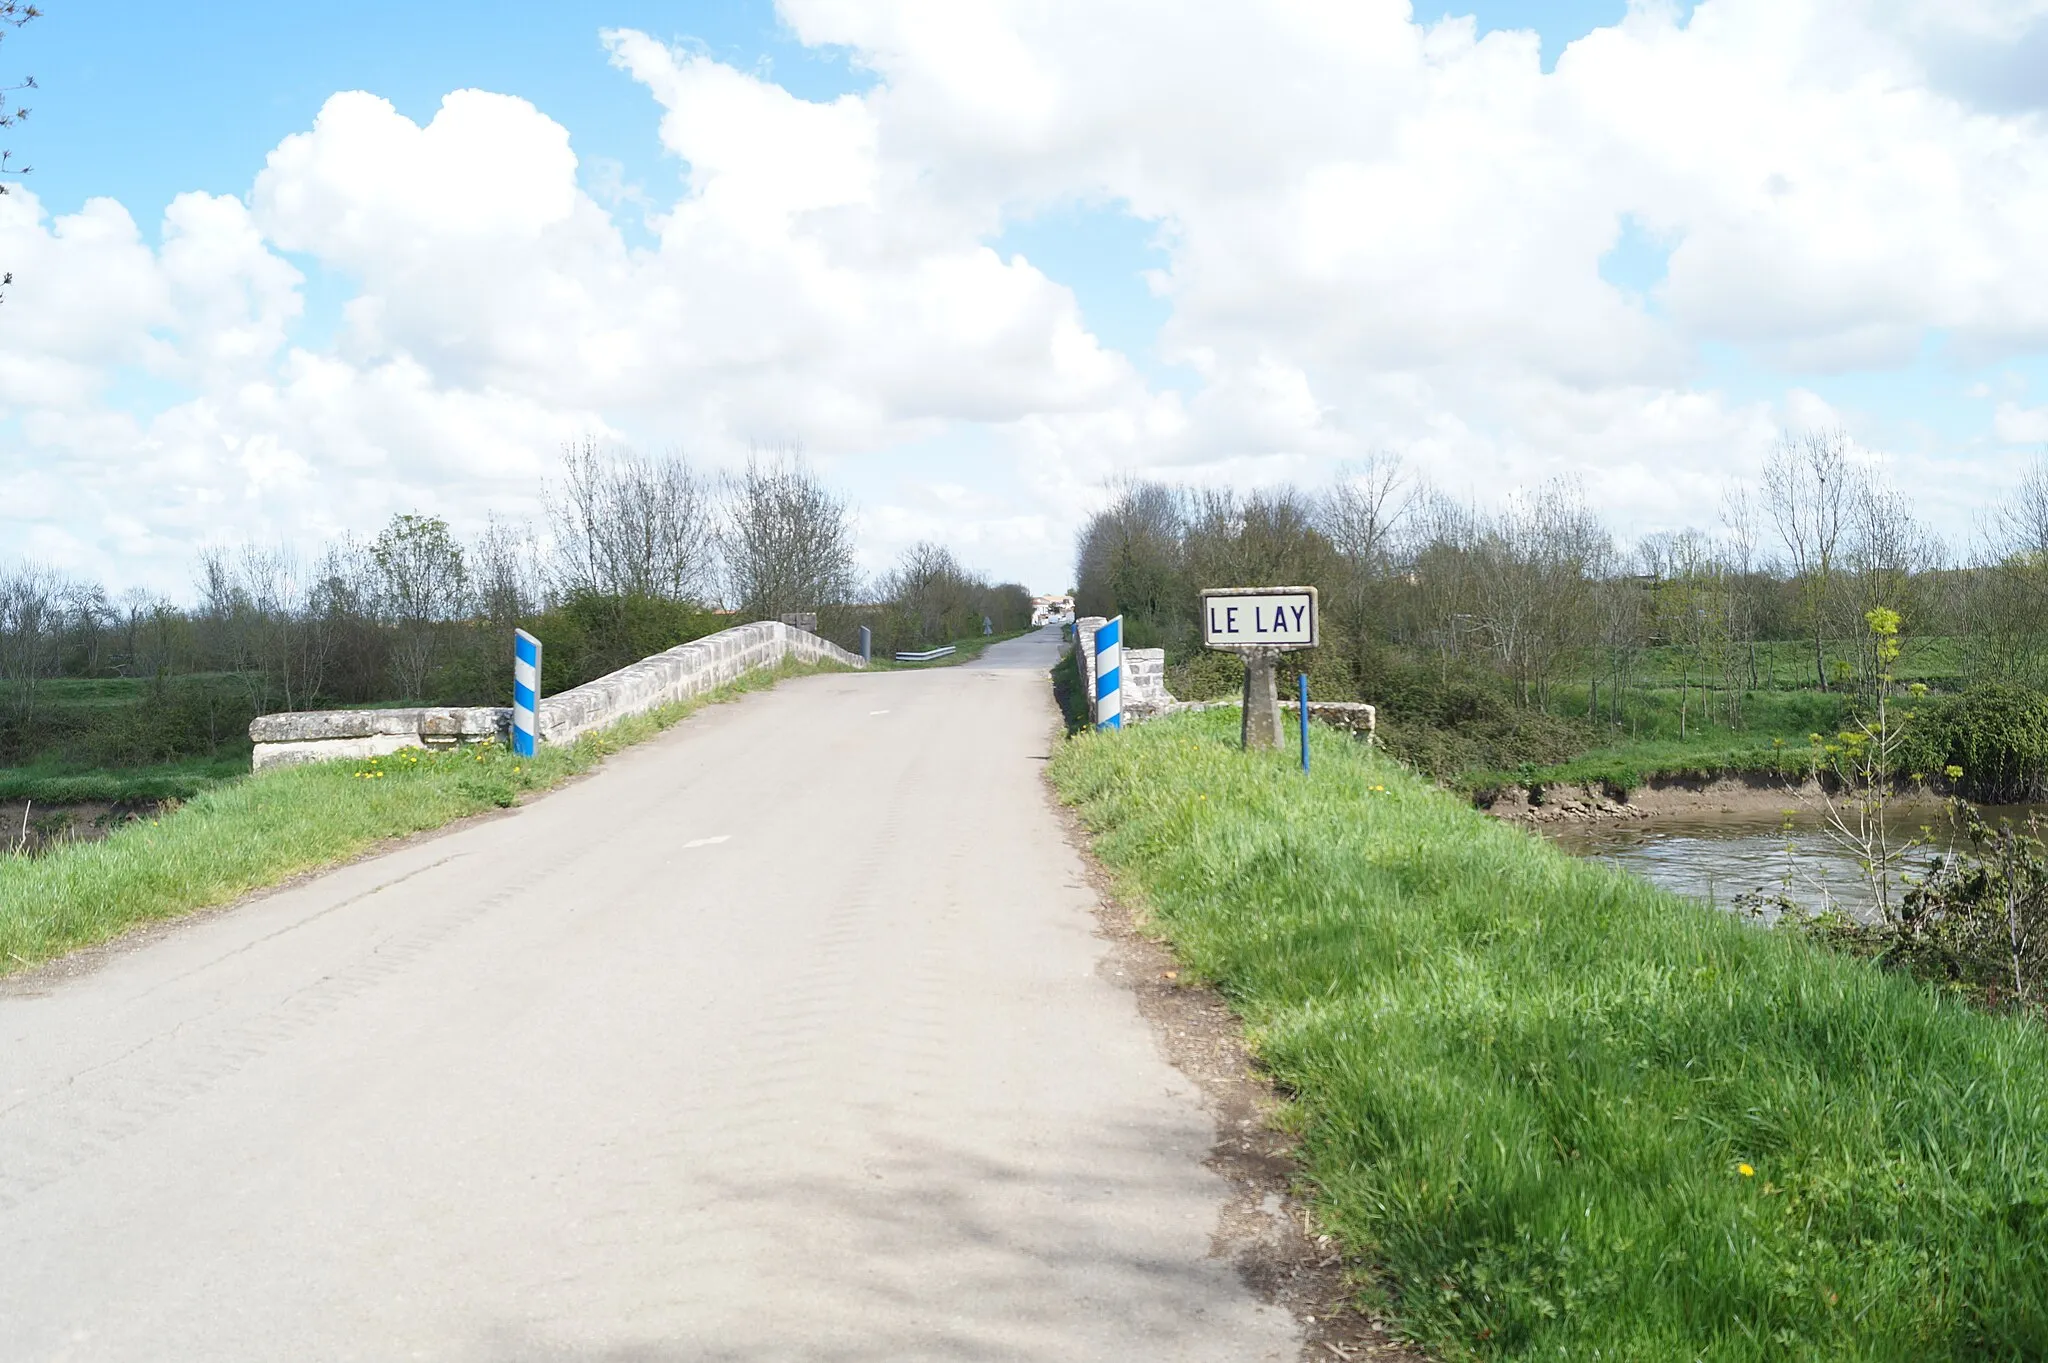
<point>1260,618</point>
<point>1260,622</point>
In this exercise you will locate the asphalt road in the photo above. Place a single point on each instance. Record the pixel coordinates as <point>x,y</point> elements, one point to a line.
<point>784,1036</point>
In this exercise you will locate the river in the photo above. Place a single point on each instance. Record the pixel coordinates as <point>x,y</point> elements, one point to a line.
<point>1721,858</point>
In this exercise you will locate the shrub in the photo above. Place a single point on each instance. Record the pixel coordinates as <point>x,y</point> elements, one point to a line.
<point>1998,734</point>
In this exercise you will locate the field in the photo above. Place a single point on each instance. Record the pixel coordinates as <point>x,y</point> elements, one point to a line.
<point>1559,1113</point>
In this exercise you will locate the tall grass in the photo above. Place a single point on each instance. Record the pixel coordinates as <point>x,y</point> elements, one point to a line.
<point>258,831</point>
<point>1570,1115</point>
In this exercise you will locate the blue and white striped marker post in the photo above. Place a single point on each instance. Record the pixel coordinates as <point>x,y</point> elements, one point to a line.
<point>525,692</point>
<point>1109,674</point>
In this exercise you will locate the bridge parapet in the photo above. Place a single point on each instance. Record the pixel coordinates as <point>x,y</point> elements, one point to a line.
<point>1144,669</point>
<point>678,674</point>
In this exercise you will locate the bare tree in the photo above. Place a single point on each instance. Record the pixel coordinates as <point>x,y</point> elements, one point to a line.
<point>2021,520</point>
<point>1886,552</point>
<point>1267,538</point>
<point>932,591</point>
<point>263,621</point>
<point>1691,599</point>
<point>1618,605</point>
<point>1443,533</point>
<point>1364,508</point>
<point>31,623</point>
<point>631,525</point>
<point>1807,489</point>
<point>504,568</point>
<point>1532,588</point>
<point>89,623</point>
<point>13,14</point>
<point>1739,516</point>
<point>149,625</point>
<point>787,539</point>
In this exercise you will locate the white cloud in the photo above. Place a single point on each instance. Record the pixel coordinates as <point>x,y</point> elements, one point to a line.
<point>2017,425</point>
<point>1378,235</point>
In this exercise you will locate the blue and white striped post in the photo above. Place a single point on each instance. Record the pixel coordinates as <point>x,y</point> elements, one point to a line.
<point>525,692</point>
<point>1109,674</point>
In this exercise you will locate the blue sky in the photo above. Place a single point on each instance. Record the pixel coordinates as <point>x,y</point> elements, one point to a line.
<point>143,102</point>
<point>140,103</point>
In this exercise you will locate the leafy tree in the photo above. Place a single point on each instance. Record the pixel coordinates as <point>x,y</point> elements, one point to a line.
<point>423,583</point>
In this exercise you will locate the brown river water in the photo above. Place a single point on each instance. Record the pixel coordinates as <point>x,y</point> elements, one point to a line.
<point>1717,858</point>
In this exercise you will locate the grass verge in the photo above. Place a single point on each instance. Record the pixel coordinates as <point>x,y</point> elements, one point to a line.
<point>1568,1114</point>
<point>255,832</point>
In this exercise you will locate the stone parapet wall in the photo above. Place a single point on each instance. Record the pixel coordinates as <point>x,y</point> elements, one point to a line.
<point>679,674</point>
<point>1144,671</point>
<point>682,672</point>
<point>317,735</point>
<point>1084,654</point>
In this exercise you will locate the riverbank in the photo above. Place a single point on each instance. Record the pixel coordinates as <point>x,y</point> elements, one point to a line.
<point>1751,793</point>
<point>1554,1111</point>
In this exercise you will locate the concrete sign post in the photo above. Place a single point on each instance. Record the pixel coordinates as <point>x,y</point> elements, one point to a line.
<point>1261,623</point>
<point>525,692</point>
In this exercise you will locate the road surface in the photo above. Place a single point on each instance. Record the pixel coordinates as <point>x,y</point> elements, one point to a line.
<point>785,1036</point>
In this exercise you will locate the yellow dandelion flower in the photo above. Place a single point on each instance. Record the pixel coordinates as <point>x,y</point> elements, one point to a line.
<point>1745,1171</point>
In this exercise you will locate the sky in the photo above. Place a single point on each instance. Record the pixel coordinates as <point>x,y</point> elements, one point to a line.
<point>284,271</point>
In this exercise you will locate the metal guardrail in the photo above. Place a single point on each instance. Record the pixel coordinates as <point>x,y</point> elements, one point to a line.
<point>926,656</point>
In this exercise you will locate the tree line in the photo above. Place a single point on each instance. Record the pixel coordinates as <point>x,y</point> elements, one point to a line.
<point>636,553</point>
<point>1537,605</point>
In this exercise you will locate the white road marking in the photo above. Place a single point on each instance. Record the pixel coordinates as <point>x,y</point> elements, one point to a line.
<point>706,842</point>
<point>878,712</point>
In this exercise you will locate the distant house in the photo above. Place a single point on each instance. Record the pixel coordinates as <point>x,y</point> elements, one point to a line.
<point>1046,609</point>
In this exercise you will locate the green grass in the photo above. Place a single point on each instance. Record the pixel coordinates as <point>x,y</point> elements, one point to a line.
<point>58,784</point>
<point>1773,740</point>
<point>1787,664</point>
<point>1626,766</point>
<point>239,837</point>
<point>1527,1086</point>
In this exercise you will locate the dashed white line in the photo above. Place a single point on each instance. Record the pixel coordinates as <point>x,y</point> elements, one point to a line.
<point>706,842</point>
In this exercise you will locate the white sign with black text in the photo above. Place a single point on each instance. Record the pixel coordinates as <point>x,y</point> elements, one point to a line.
<point>1259,617</point>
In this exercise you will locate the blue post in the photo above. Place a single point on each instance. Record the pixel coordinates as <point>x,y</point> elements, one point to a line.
<point>525,692</point>
<point>867,644</point>
<point>1303,679</point>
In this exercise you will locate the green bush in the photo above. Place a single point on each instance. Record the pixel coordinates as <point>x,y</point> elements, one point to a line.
<point>1997,733</point>
<point>590,635</point>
